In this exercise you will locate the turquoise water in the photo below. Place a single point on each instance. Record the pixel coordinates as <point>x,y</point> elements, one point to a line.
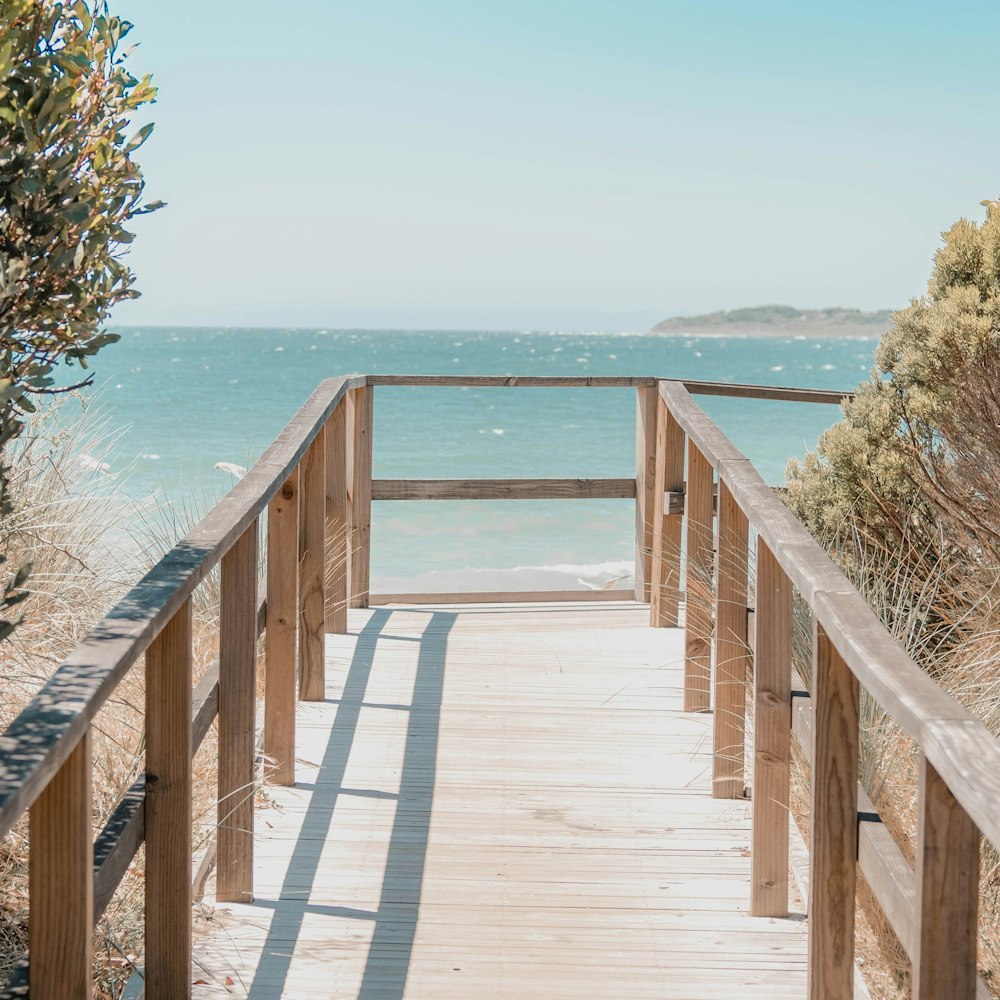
<point>194,397</point>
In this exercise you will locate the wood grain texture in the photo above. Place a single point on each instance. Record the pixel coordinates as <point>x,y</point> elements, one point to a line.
<point>312,571</point>
<point>237,670</point>
<point>645,482</point>
<point>699,590</point>
<point>833,846</point>
<point>731,651</point>
<point>664,611</point>
<point>504,597</point>
<point>771,737</point>
<point>337,523</point>
<point>61,893</point>
<point>503,489</point>
<point>280,652</point>
<point>361,496</point>
<point>506,803</point>
<point>944,967</point>
<point>519,381</point>
<point>42,736</point>
<point>168,810</point>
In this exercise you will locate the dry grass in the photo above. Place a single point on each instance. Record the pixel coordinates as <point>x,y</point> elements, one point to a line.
<point>67,523</point>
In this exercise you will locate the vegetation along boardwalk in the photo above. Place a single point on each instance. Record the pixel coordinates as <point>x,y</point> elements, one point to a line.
<point>558,795</point>
<point>500,801</point>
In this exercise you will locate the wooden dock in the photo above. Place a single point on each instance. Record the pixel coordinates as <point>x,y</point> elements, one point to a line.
<point>501,801</point>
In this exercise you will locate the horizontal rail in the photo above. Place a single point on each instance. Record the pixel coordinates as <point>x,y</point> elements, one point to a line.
<point>42,737</point>
<point>503,489</point>
<point>503,597</point>
<point>789,394</point>
<point>949,734</point>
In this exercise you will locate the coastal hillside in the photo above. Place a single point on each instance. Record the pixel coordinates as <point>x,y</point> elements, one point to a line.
<point>779,320</point>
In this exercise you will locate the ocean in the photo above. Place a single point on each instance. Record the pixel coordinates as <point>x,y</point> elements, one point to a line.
<point>190,398</point>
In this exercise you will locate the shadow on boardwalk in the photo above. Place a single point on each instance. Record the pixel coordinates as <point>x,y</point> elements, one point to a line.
<point>395,925</point>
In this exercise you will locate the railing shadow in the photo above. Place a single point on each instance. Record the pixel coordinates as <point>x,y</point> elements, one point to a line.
<point>395,919</point>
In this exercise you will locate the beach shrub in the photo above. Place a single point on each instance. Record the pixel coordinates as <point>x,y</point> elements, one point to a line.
<point>912,466</point>
<point>68,186</point>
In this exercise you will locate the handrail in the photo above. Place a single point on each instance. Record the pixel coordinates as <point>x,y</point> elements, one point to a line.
<point>960,758</point>
<point>314,483</point>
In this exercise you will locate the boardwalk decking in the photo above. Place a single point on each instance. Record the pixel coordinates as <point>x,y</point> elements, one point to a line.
<point>501,803</point>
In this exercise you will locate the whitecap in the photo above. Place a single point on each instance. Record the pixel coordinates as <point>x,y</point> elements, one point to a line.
<point>92,464</point>
<point>498,430</point>
<point>152,456</point>
<point>777,368</point>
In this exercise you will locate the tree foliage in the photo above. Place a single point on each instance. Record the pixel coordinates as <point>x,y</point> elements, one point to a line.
<point>68,186</point>
<point>913,466</point>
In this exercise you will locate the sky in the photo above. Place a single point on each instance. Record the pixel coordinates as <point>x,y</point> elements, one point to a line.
<point>540,164</point>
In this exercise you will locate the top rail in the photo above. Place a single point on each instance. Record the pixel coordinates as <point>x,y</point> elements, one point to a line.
<point>784,393</point>
<point>42,737</point>
<point>958,745</point>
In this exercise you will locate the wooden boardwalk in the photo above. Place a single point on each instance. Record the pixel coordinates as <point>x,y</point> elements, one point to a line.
<point>501,801</point>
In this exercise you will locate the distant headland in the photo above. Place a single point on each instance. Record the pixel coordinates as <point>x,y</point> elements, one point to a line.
<point>782,321</point>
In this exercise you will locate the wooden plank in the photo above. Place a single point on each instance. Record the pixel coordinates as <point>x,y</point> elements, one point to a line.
<point>645,492</point>
<point>947,894</point>
<point>237,682</point>
<point>168,810</point>
<point>337,523</point>
<point>523,812</point>
<point>361,496</point>
<point>777,392</point>
<point>282,631</point>
<point>772,737</point>
<point>833,847</point>
<point>503,489</point>
<point>118,843</point>
<point>675,502</point>
<point>312,572</point>
<point>731,651</point>
<point>665,588</point>
<point>520,381</point>
<point>40,739</point>
<point>61,888</point>
<point>698,595</point>
<point>503,597</point>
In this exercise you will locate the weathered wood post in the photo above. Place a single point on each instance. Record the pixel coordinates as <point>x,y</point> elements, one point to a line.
<point>360,494</point>
<point>665,581</point>
<point>61,883</point>
<point>168,809</point>
<point>312,571</point>
<point>772,737</point>
<point>645,484</point>
<point>237,669</point>
<point>947,894</point>
<point>337,527</point>
<point>833,847</point>
<point>699,513</point>
<point>731,653</point>
<point>282,631</point>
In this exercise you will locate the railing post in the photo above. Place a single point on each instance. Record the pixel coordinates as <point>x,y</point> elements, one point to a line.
<point>833,847</point>
<point>772,738</point>
<point>237,669</point>
<point>336,520</point>
<point>361,495</point>
<point>61,866</point>
<point>645,483</point>
<point>282,630</point>
<point>312,571</point>
<point>947,894</point>
<point>665,580</point>
<point>700,521</point>
<point>731,653</point>
<point>168,810</point>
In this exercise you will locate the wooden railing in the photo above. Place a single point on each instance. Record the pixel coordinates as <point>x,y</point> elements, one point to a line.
<point>933,911</point>
<point>314,485</point>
